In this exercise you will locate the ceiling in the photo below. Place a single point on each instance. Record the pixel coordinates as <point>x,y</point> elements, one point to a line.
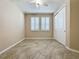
<point>27,7</point>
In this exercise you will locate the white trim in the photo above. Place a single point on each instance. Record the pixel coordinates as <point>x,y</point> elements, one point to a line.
<point>68,23</point>
<point>11,46</point>
<point>68,48</point>
<point>39,38</point>
<point>73,50</point>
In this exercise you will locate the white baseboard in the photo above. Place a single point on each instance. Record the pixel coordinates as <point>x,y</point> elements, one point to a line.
<point>11,46</point>
<point>70,49</point>
<point>39,38</point>
<point>73,50</point>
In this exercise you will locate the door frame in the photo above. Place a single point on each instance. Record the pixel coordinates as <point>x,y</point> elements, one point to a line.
<point>68,23</point>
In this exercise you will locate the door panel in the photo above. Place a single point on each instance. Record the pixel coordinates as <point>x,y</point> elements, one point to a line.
<point>60,26</point>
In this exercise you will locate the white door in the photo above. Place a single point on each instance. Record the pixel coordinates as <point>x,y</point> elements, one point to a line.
<point>60,26</point>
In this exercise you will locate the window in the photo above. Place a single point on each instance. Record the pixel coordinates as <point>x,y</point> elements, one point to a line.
<point>40,24</point>
<point>34,23</point>
<point>45,23</point>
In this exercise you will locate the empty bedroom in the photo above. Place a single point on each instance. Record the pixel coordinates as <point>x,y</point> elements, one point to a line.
<point>39,29</point>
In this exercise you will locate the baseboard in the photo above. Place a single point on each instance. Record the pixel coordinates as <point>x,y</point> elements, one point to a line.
<point>39,38</point>
<point>73,50</point>
<point>68,48</point>
<point>11,46</point>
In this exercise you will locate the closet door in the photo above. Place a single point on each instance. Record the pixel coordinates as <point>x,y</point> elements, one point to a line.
<point>60,26</point>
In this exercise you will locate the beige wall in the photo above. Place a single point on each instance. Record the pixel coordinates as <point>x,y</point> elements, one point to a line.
<point>74,24</point>
<point>29,33</point>
<point>11,24</point>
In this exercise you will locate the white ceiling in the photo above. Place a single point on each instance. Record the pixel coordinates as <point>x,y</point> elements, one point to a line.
<point>27,7</point>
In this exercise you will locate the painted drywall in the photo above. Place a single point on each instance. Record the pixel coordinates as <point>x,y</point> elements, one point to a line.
<point>30,34</point>
<point>74,24</point>
<point>60,26</point>
<point>11,24</point>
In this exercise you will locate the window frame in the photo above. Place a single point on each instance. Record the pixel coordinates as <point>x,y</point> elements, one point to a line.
<point>45,24</point>
<point>40,19</point>
<point>30,24</point>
